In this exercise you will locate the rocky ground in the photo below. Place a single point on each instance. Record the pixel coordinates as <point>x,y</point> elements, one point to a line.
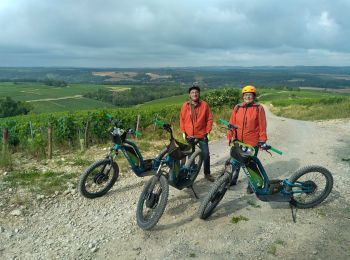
<point>69,226</point>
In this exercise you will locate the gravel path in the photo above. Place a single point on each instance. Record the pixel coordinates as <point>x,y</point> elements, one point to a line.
<point>72,227</point>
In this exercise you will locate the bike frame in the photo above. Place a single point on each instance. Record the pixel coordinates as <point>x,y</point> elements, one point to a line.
<point>138,170</point>
<point>265,188</point>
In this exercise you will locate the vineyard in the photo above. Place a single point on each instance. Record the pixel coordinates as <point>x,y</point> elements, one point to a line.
<point>70,129</point>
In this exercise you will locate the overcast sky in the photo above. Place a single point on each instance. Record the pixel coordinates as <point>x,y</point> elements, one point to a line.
<point>171,33</point>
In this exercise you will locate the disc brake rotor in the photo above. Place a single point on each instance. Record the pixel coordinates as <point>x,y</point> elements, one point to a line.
<point>309,187</point>
<point>152,200</point>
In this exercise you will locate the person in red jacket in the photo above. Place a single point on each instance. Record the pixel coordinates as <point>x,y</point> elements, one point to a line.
<point>250,119</point>
<point>196,121</point>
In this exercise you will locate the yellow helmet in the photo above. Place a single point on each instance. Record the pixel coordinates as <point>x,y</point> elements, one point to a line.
<point>249,89</point>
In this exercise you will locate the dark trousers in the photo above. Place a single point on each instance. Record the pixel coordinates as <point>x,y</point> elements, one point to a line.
<point>235,176</point>
<point>203,144</point>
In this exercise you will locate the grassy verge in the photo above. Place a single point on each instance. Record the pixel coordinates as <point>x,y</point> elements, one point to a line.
<point>315,111</point>
<point>38,182</point>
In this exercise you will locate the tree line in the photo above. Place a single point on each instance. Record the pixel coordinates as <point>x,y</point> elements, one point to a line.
<point>135,95</point>
<point>10,107</point>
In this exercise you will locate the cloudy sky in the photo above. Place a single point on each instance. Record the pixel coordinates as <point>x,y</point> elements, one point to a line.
<point>159,33</point>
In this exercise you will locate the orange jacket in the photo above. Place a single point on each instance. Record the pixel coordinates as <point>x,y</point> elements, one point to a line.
<point>251,122</point>
<point>200,123</point>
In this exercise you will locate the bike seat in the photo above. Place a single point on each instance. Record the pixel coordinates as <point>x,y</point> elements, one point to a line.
<point>178,150</point>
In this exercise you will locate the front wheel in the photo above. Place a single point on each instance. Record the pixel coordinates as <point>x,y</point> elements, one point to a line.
<point>194,164</point>
<point>314,183</point>
<point>214,196</point>
<point>98,178</point>
<point>152,202</point>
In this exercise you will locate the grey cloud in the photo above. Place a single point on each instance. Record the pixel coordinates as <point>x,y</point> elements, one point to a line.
<point>176,33</point>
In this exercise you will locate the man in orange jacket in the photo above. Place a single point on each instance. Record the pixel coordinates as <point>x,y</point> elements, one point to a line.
<point>196,121</point>
<point>250,119</point>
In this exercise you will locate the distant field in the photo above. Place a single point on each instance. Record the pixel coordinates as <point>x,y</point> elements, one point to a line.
<point>33,91</point>
<point>174,100</point>
<point>51,99</point>
<point>308,104</point>
<point>273,94</point>
<point>68,104</point>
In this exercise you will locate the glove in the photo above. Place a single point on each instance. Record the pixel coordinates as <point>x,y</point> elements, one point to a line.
<point>184,136</point>
<point>209,136</point>
<point>262,144</point>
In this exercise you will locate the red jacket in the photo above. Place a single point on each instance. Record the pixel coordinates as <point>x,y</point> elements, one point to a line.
<point>251,122</point>
<point>200,123</point>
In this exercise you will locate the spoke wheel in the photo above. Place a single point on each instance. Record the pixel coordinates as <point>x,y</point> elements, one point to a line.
<point>98,178</point>
<point>152,202</point>
<point>316,183</point>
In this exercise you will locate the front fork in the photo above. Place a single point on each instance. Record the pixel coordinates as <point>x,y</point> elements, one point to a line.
<point>156,177</point>
<point>231,166</point>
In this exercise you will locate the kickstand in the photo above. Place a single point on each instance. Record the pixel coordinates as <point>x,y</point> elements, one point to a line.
<point>193,191</point>
<point>294,213</point>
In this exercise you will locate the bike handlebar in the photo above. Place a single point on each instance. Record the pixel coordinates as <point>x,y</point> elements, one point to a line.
<point>232,126</point>
<point>116,123</point>
<point>135,132</point>
<point>269,147</point>
<point>159,122</point>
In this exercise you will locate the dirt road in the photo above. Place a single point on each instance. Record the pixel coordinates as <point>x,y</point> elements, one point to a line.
<point>72,227</point>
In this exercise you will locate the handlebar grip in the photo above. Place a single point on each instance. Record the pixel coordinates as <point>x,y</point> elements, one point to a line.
<point>109,116</point>
<point>230,126</point>
<point>137,133</point>
<point>223,121</point>
<point>276,151</point>
<point>159,122</point>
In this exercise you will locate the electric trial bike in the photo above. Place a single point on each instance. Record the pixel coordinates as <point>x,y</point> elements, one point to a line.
<point>179,167</point>
<point>306,188</point>
<point>100,176</point>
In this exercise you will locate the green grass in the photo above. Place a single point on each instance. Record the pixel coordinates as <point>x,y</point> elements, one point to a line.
<point>272,250</point>
<point>38,182</point>
<point>307,104</point>
<point>280,242</point>
<point>191,255</point>
<point>237,219</point>
<point>77,161</point>
<point>314,112</point>
<point>6,160</point>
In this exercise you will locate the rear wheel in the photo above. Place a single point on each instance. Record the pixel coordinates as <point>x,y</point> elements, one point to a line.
<point>314,185</point>
<point>98,178</point>
<point>152,202</point>
<point>214,196</point>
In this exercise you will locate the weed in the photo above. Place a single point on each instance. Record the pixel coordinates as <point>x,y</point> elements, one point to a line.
<point>81,162</point>
<point>272,250</point>
<point>19,199</point>
<point>6,158</point>
<point>279,242</point>
<point>347,210</point>
<point>192,255</point>
<point>253,203</point>
<point>321,212</point>
<point>39,182</point>
<point>235,220</point>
